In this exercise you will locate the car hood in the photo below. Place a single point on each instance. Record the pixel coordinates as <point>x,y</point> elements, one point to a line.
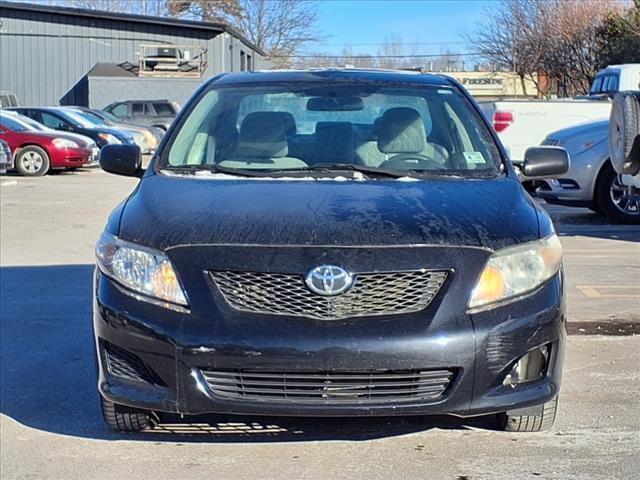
<point>170,211</point>
<point>598,130</point>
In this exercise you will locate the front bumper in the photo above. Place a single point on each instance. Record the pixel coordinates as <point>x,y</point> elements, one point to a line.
<point>480,351</point>
<point>71,157</point>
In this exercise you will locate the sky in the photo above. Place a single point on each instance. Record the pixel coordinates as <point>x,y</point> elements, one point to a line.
<point>431,24</point>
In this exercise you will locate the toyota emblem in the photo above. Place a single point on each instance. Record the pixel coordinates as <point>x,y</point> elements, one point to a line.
<point>329,280</point>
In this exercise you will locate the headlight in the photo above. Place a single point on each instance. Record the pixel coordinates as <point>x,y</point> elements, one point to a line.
<point>139,268</point>
<point>516,270</point>
<point>64,143</point>
<point>107,137</point>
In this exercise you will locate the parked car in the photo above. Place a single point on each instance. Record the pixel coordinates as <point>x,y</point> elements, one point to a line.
<point>591,180</point>
<point>616,78</point>
<point>152,113</point>
<point>66,119</point>
<point>95,150</point>
<point>35,152</point>
<point>338,242</point>
<point>521,124</point>
<point>147,138</point>
<point>6,160</point>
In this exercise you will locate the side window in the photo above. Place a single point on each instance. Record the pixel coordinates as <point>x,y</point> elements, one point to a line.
<point>614,82</point>
<point>52,121</point>
<point>119,110</point>
<point>163,109</point>
<point>137,109</point>
<point>597,85</point>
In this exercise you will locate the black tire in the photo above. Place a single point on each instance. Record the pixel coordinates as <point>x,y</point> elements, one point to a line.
<point>530,423</point>
<point>607,186</point>
<point>624,128</point>
<point>126,419</point>
<point>32,161</point>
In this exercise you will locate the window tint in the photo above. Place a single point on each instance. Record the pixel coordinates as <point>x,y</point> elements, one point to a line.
<point>596,87</point>
<point>164,109</point>
<point>613,84</point>
<point>137,108</point>
<point>51,121</point>
<point>300,125</point>
<point>119,110</point>
<point>9,123</point>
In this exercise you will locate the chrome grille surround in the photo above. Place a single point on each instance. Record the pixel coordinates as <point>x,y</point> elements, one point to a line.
<point>330,387</point>
<point>371,294</point>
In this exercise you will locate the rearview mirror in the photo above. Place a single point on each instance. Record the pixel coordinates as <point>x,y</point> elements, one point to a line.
<point>121,160</point>
<point>545,162</point>
<point>335,104</point>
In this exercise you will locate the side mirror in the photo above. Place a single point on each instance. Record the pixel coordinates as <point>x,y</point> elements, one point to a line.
<point>545,162</point>
<point>121,160</point>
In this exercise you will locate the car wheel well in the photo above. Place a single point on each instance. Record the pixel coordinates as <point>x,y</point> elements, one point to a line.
<point>599,176</point>
<point>30,144</point>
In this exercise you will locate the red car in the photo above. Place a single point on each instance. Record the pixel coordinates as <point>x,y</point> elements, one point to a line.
<point>35,152</point>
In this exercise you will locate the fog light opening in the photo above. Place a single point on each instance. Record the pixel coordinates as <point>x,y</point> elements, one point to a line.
<point>530,367</point>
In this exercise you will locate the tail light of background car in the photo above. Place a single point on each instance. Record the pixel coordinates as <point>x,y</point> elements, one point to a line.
<point>501,120</point>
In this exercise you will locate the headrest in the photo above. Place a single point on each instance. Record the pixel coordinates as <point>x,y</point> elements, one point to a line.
<point>264,134</point>
<point>401,130</point>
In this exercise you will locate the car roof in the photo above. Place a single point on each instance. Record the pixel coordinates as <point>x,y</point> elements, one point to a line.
<point>335,75</point>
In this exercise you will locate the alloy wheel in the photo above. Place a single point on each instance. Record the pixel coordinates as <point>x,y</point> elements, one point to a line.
<point>625,198</point>
<point>32,162</point>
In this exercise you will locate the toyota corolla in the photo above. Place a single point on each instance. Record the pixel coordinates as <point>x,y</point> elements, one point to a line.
<point>330,243</point>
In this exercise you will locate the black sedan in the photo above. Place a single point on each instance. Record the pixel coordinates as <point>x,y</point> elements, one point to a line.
<point>330,243</point>
<point>66,119</point>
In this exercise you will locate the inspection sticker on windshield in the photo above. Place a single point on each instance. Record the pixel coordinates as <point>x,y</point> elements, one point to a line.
<point>474,157</point>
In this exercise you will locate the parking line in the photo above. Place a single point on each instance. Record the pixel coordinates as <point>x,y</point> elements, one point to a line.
<point>596,291</point>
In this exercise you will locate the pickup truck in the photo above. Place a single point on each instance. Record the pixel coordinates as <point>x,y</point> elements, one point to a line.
<point>524,123</point>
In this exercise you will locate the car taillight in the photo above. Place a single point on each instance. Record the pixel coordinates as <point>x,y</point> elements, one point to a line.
<point>501,120</point>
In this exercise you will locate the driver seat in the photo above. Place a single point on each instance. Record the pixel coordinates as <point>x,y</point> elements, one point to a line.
<point>401,133</point>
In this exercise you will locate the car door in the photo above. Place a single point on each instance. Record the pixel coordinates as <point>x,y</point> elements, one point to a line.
<point>139,110</point>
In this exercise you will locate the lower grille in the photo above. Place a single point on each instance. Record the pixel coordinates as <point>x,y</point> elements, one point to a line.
<point>371,294</point>
<point>330,387</point>
<point>126,365</point>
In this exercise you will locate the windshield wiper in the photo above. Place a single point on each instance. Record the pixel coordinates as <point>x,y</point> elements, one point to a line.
<point>215,169</point>
<point>369,171</point>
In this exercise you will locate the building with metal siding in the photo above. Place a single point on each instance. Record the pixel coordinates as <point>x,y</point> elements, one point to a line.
<point>46,52</point>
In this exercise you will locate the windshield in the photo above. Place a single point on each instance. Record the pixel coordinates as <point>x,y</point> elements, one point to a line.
<point>92,117</point>
<point>332,126</point>
<point>32,123</point>
<point>14,123</point>
<point>78,119</point>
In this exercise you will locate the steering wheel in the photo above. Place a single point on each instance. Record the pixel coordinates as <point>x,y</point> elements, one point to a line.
<point>412,161</point>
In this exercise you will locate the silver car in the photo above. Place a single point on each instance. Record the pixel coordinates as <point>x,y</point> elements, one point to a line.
<point>591,180</point>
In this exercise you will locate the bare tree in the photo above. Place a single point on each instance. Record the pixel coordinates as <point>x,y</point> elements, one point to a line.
<point>509,38</point>
<point>206,10</point>
<point>281,28</point>
<point>558,38</point>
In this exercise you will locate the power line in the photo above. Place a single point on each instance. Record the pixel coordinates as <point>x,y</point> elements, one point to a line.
<point>429,55</point>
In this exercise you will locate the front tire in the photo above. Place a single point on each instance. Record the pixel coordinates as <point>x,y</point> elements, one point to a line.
<point>618,202</point>
<point>530,423</point>
<point>126,419</point>
<point>32,161</point>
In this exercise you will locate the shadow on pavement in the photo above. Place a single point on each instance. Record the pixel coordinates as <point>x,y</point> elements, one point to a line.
<point>48,379</point>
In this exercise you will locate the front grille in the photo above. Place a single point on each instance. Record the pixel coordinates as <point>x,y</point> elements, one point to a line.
<point>330,387</point>
<point>371,294</point>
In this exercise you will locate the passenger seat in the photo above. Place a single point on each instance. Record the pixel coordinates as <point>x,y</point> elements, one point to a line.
<point>262,142</point>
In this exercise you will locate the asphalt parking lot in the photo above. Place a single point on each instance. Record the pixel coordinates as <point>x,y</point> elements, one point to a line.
<point>51,425</point>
